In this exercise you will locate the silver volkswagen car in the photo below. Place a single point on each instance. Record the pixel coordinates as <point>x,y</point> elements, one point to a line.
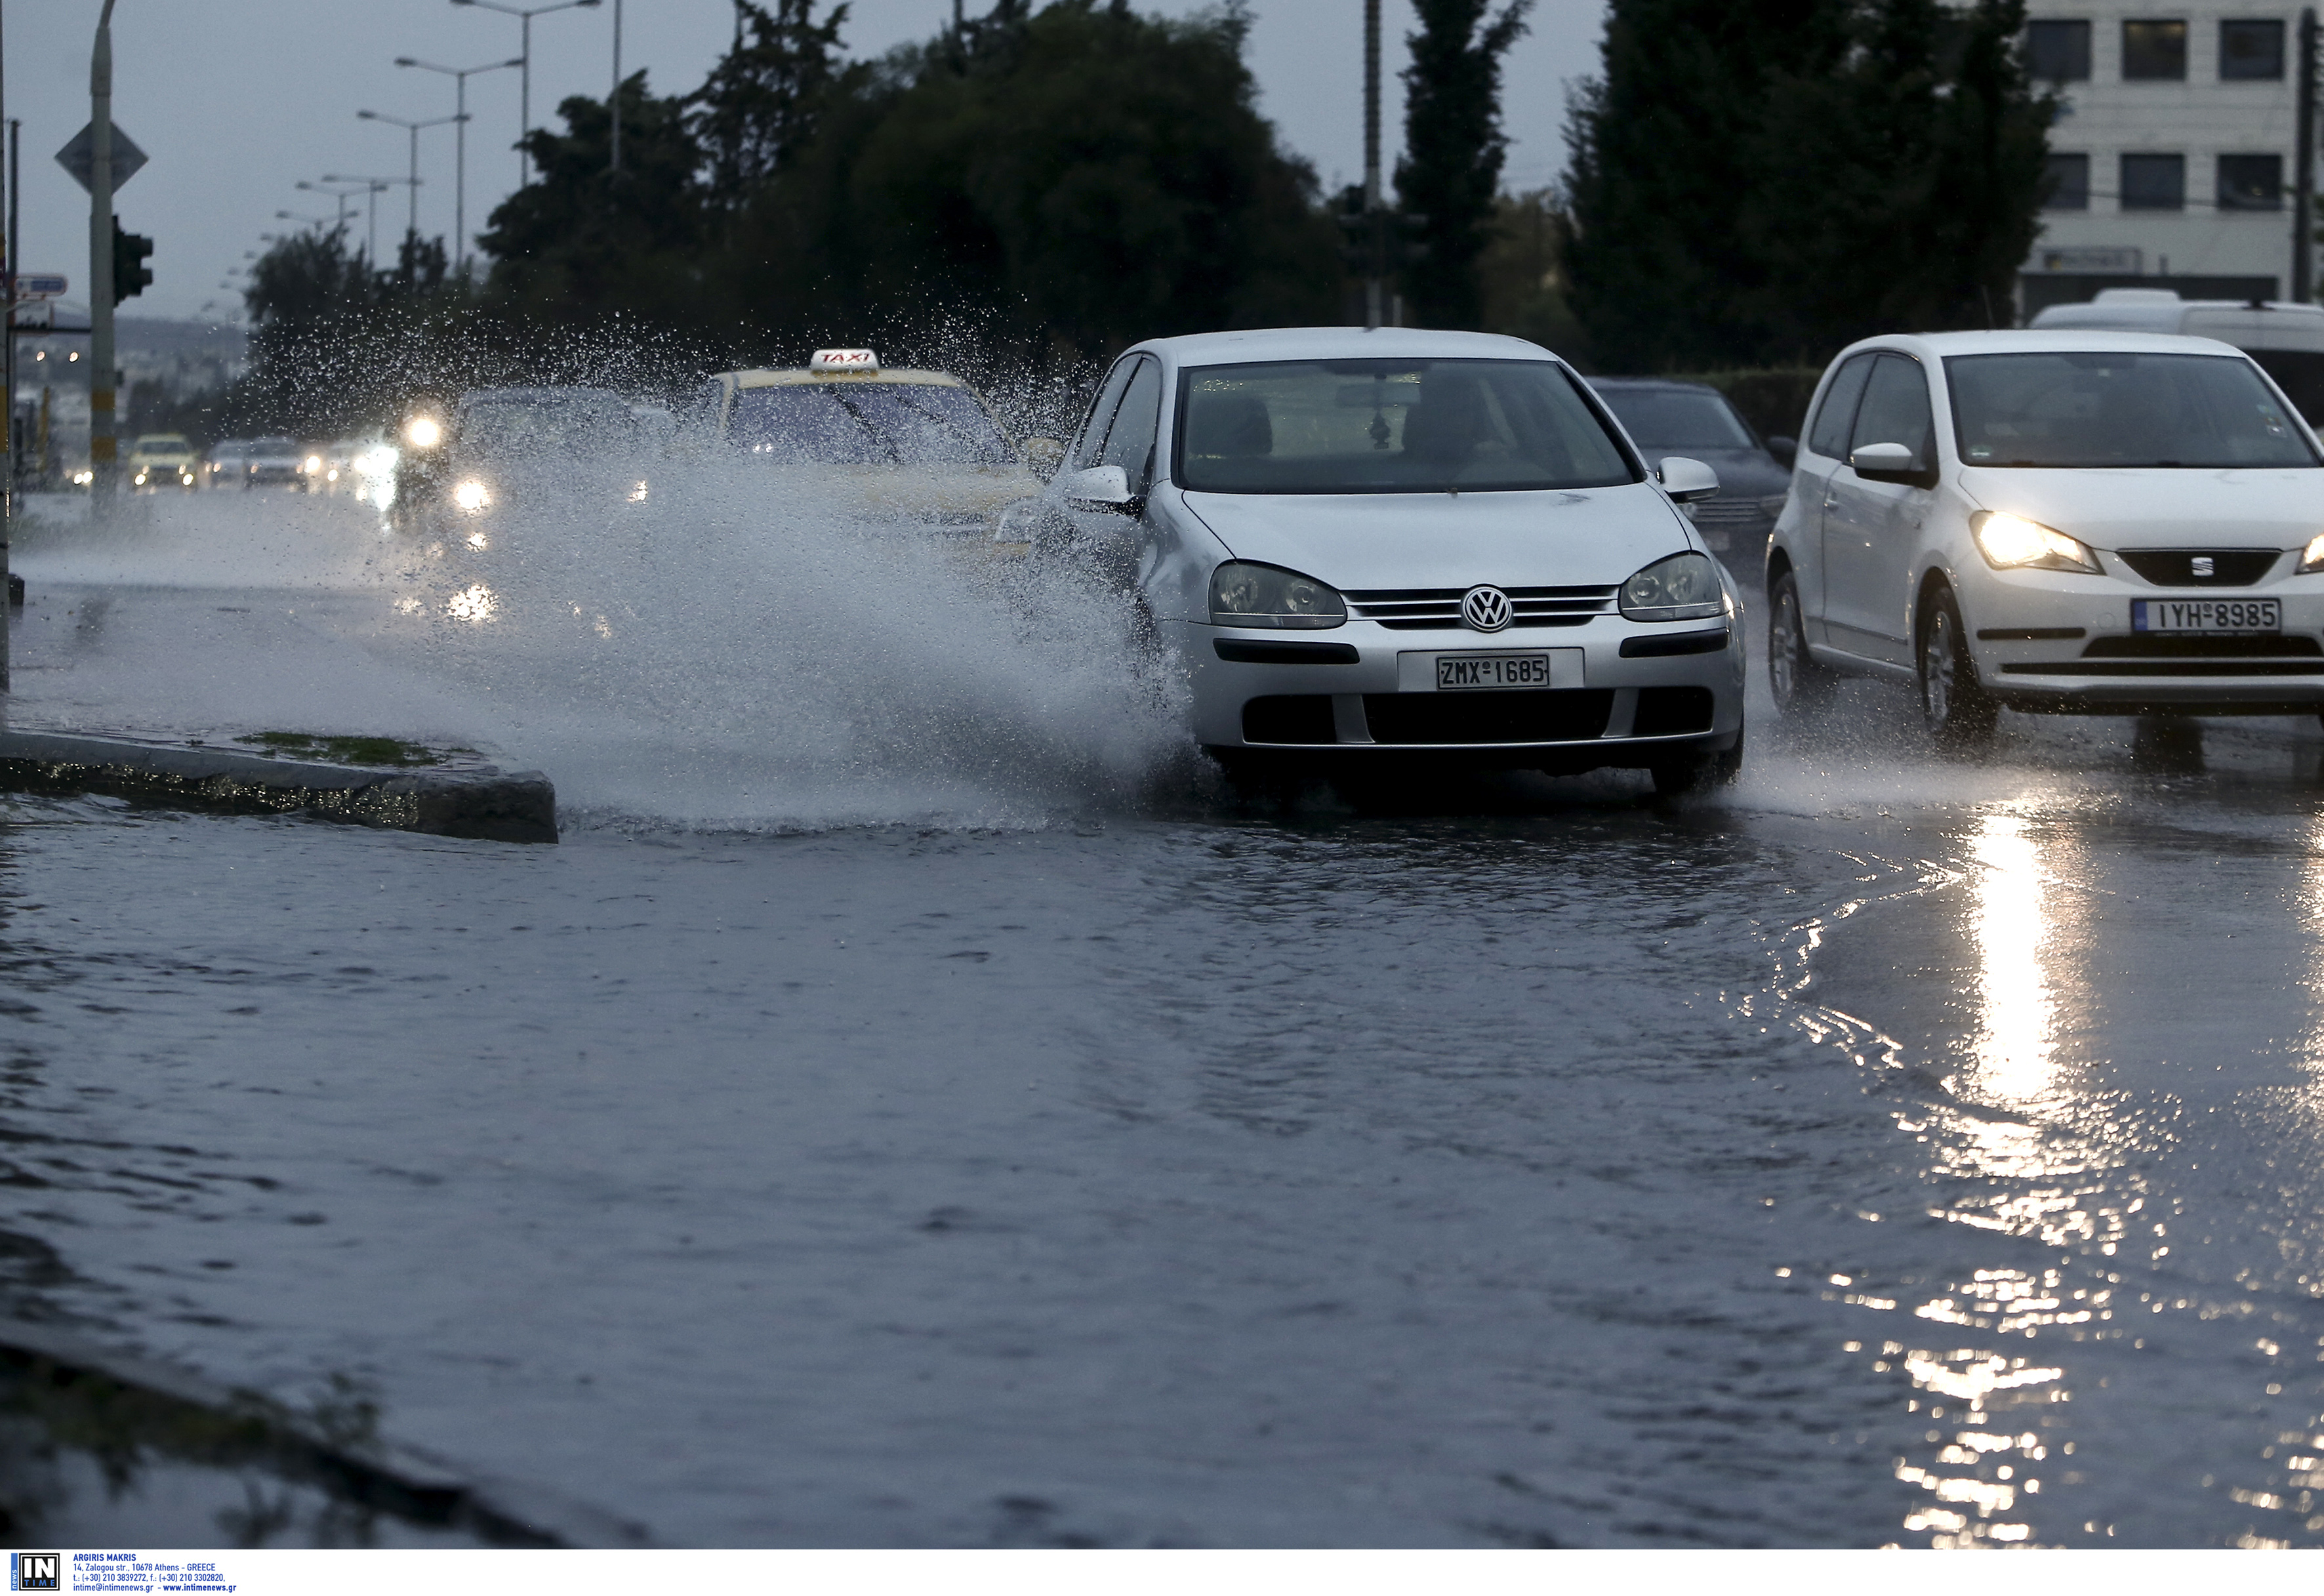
<point>1400,542</point>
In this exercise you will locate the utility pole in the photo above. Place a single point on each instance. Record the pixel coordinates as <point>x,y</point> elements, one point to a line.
<point>1372,206</point>
<point>102,378</point>
<point>614,103</point>
<point>8,382</point>
<point>2303,166</point>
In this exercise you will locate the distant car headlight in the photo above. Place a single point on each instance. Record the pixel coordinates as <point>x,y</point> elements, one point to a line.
<point>2011,543</point>
<point>311,464</point>
<point>2311,559</point>
<point>1247,594</point>
<point>471,496</point>
<point>423,432</point>
<point>1683,587</point>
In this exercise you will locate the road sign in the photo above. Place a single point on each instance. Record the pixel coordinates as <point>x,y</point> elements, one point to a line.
<point>79,155</point>
<point>40,285</point>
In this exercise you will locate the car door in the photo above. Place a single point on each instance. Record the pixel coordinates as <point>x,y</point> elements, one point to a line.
<point>1824,451</point>
<point>1870,527</point>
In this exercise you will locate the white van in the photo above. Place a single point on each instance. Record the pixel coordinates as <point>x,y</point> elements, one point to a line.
<point>2287,339</point>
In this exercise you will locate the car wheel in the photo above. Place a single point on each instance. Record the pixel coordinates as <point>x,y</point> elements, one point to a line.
<point>1959,712</point>
<point>1700,772</point>
<point>1800,685</point>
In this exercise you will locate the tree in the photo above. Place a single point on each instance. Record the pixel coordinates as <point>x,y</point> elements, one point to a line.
<point>759,108</point>
<point>1451,171</point>
<point>1758,182</point>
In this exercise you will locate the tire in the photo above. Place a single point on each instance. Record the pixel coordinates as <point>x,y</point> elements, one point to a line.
<point>1959,714</point>
<point>1799,685</point>
<point>1698,772</point>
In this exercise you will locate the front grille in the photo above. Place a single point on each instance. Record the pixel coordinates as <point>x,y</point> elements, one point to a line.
<point>2168,647</point>
<point>1420,609</point>
<point>2173,568</point>
<point>1560,715</point>
<point>1728,512</point>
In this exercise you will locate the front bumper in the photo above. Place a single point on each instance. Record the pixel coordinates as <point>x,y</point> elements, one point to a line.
<point>1375,695</point>
<point>2059,643</point>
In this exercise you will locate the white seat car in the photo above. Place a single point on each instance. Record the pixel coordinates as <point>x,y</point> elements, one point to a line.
<point>1365,544</point>
<point>2074,521</point>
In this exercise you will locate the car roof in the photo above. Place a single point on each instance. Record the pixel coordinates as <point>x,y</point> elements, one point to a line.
<point>1672,384</point>
<point>1338,343</point>
<point>761,377</point>
<point>539,396</point>
<point>2043,340</point>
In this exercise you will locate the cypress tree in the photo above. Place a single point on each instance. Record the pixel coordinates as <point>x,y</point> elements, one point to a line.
<point>1451,169</point>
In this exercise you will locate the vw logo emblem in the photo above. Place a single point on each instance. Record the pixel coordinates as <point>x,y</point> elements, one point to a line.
<point>1486,608</point>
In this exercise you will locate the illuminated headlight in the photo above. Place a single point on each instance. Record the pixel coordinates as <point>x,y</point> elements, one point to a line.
<point>2010,543</point>
<point>141,479</point>
<point>423,432</point>
<point>1247,594</point>
<point>471,496</point>
<point>1684,587</point>
<point>185,479</point>
<point>332,474</point>
<point>2311,559</point>
<point>312,463</point>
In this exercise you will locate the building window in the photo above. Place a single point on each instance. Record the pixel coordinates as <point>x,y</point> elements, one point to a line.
<point>2249,50</point>
<point>2069,184</point>
<point>2251,182</point>
<point>2155,51</point>
<point>2154,182</point>
<point>2058,52</point>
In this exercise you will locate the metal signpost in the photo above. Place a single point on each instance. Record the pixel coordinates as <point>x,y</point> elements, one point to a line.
<point>91,157</point>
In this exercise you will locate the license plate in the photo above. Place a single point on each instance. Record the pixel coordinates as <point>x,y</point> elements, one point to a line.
<point>2206,615</point>
<point>1492,670</point>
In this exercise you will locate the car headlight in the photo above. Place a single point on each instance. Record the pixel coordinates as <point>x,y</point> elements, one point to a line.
<point>2012,543</point>
<point>471,496</point>
<point>2311,559</point>
<point>1683,587</point>
<point>1247,594</point>
<point>423,432</point>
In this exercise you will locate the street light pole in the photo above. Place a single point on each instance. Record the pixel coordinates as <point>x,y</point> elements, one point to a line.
<point>525,16</point>
<point>1371,165</point>
<point>460,76</point>
<point>413,128</point>
<point>613,100</point>
<point>102,427</point>
<point>374,188</point>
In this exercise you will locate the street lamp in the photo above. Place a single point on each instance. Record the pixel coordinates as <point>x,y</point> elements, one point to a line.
<point>524,14</point>
<point>374,188</point>
<point>300,216</point>
<point>460,76</point>
<point>413,128</point>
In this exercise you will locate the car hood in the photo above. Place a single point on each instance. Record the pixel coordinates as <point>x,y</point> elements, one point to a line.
<point>2161,508</point>
<point>1587,537</point>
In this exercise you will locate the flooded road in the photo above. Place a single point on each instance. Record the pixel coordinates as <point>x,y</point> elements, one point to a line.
<point>1892,1152</point>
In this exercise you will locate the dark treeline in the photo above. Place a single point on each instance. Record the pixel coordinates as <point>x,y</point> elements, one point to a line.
<point>1754,183</point>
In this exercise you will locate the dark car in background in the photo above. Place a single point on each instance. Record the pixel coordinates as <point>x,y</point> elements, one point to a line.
<point>1665,417</point>
<point>505,448</point>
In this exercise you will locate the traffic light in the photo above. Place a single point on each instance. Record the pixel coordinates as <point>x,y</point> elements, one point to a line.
<point>130,275</point>
<point>1377,242</point>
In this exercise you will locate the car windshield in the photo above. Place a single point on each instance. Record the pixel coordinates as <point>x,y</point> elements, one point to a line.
<point>513,430</point>
<point>162,440</point>
<point>275,446</point>
<point>2076,408</point>
<point>1675,418</point>
<point>1390,426</point>
<point>868,424</point>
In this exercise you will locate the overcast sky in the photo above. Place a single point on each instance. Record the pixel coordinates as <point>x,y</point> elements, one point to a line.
<point>235,101</point>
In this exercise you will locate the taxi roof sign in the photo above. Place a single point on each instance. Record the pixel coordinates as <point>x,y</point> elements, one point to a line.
<point>843,360</point>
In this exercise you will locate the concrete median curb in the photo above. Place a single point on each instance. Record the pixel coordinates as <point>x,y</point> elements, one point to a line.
<point>132,1404</point>
<point>480,801</point>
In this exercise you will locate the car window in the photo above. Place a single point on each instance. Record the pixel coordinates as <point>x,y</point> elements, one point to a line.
<point>2096,409</point>
<point>1129,441</point>
<point>1677,419</point>
<point>867,424</point>
<point>1896,408</point>
<point>1829,437</point>
<point>1092,436</point>
<point>1378,426</point>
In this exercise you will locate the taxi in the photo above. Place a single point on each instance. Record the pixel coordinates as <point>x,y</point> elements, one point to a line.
<point>921,448</point>
<point>161,460</point>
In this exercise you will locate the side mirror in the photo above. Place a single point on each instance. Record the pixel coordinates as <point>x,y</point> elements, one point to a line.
<point>1043,455</point>
<point>1102,488</point>
<point>1686,480</point>
<point>1786,450</point>
<point>1888,462</point>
